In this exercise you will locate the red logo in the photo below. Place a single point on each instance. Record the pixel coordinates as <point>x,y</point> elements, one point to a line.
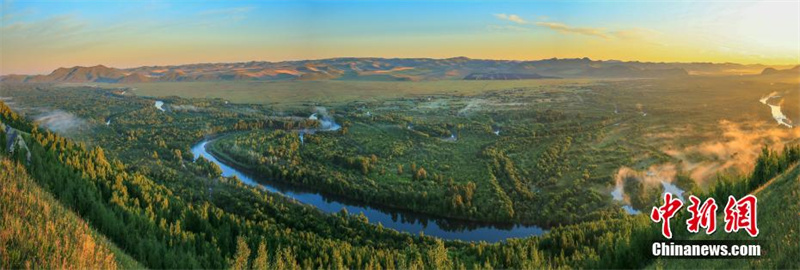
<point>665,213</point>
<point>741,214</point>
<point>702,215</point>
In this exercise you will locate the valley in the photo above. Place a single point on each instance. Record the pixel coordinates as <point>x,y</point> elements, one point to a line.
<point>496,165</point>
<point>410,135</point>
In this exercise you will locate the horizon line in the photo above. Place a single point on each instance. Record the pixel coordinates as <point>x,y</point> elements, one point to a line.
<point>430,58</point>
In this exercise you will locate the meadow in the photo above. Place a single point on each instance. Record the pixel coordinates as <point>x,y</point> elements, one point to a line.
<point>288,94</point>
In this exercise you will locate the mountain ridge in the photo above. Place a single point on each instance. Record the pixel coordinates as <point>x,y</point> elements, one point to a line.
<point>380,69</point>
<point>789,71</point>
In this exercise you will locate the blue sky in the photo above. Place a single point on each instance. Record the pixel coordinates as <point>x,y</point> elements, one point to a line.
<point>39,36</point>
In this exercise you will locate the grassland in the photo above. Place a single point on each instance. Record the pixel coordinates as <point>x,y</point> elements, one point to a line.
<point>288,94</point>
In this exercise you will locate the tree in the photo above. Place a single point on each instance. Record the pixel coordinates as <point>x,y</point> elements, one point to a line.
<point>2,141</point>
<point>239,261</point>
<point>285,260</point>
<point>437,256</point>
<point>178,154</point>
<point>261,261</point>
<point>364,166</point>
<point>421,174</point>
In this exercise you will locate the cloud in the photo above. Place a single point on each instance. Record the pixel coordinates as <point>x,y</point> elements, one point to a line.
<point>644,35</point>
<point>223,16</point>
<point>653,176</point>
<point>511,17</point>
<point>563,28</point>
<point>566,29</point>
<point>36,43</point>
<point>494,27</point>
<point>189,108</point>
<point>60,121</point>
<point>633,33</point>
<point>622,34</point>
<point>55,27</point>
<point>227,11</point>
<point>736,151</point>
<point>59,33</point>
<point>9,17</point>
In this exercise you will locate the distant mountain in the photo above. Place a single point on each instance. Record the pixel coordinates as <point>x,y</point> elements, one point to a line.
<point>505,76</point>
<point>385,69</point>
<point>792,71</point>
<point>14,78</point>
<point>98,73</point>
<point>134,78</point>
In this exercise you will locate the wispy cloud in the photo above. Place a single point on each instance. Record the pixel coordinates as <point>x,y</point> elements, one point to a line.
<point>494,27</point>
<point>511,17</point>
<point>9,16</point>
<point>227,11</point>
<point>636,33</point>
<point>54,28</point>
<point>520,23</point>
<point>563,28</point>
<point>225,14</point>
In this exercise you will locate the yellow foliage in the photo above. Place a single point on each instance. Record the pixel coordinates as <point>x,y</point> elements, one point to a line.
<point>36,232</point>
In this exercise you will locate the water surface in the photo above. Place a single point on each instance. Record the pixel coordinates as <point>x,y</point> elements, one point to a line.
<point>451,229</point>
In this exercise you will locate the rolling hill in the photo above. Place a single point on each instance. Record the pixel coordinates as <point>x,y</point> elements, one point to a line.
<point>772,71</point>
<point>789,75</point>
<point>384,69</point>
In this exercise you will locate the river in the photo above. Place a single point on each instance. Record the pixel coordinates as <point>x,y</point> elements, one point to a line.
<point>403,221</point>
<point>160,105</point>
<point>776,111</point>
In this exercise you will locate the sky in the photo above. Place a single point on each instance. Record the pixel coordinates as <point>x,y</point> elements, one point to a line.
<point>37,37</point>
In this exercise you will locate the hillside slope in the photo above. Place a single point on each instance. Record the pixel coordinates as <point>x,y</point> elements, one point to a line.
<point>39,232</point>
<point>772,75</point>
<point>795,71</point>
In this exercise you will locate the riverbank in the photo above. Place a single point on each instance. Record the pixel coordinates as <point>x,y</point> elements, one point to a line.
<point>225,158</point>
<point>404,221</point>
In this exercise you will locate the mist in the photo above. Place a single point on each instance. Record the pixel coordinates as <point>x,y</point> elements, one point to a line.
<point>736,150</point>
<point>326,121</point>
<point>60,121</point>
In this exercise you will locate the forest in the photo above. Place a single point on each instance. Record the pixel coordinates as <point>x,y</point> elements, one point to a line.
<point>127,171</point>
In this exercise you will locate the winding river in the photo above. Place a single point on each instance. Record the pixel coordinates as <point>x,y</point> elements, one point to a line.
<point>399,220</point>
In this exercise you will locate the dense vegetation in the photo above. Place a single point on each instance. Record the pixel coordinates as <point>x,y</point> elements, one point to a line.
<point>134,180</point>
<point>37,232</point>
<point>779,216</point>
<point>87,174</point>
<point>503,166</point>
<point>155,226</point>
